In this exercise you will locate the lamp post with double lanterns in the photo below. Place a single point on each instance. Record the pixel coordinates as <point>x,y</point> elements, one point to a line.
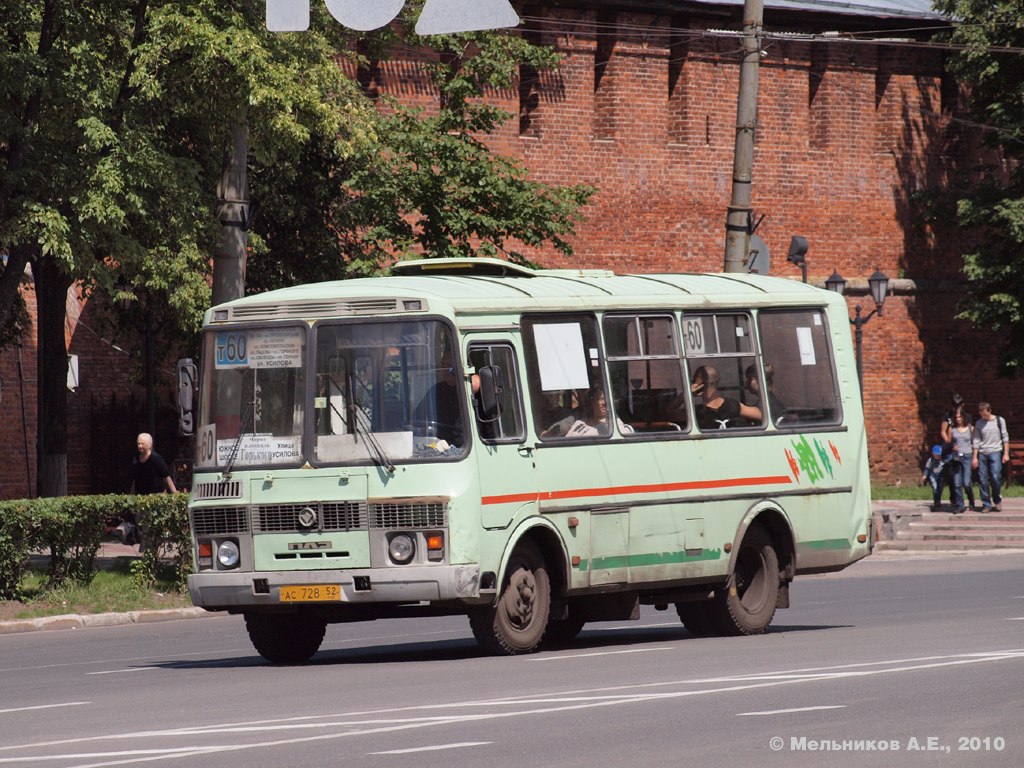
<point>878,283</point>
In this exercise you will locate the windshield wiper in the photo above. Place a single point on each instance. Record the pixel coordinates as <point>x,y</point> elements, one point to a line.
<point>238,441</point>
<point>357,426</point>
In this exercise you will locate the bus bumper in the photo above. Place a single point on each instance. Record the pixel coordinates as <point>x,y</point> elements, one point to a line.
<point>220,590</point>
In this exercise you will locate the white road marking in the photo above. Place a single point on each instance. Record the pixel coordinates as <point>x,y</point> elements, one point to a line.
<point>435,748</point>
<point>1016,618</point>
<point>46,706</point>
<point>789,711</point>
<point>561,657</point>
<point>482,711</point>
<point>122,671</point>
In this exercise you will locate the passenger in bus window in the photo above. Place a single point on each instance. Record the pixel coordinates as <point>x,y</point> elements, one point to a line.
<point>775,406</point>
<point>442,400</point>
<point>716,411</point>
<point>593,421</point>
<point>557,417</point>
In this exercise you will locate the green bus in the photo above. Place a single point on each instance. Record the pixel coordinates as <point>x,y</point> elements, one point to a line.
<point>535,449</point>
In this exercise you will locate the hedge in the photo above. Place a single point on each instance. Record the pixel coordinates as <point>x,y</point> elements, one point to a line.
<point>70,529</point>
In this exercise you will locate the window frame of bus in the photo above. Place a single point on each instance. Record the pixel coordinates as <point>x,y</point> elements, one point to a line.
<point>644,355</point>
<point>512,391</point>
<point>826,347</point>
<point>453,347</point>
<point>209,357</point>
<point>746,358</point>
<point>533,374</point>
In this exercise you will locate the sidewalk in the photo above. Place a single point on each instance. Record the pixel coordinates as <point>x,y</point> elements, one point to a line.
<point>890,518</point>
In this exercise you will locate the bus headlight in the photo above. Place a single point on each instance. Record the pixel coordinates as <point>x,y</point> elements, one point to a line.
<point>227,554</point>
<point>401,549</point>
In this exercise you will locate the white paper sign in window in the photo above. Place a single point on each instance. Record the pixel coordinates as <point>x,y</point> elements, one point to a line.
<point>560,356</point>
<point>805,342</point>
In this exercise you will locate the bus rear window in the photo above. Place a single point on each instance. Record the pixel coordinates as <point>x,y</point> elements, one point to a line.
<point>798,368</point>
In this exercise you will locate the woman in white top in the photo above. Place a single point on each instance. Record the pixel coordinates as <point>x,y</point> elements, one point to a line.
<point>594,419</point>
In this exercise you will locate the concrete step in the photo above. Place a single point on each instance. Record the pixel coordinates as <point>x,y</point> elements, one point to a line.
<point>960,536</point>
<point>983,517</point>
<point>945,546</point>
<point>966,526</point>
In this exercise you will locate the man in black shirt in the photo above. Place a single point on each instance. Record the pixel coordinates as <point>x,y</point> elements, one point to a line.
<point>149,475</point>
<point>149,470</point>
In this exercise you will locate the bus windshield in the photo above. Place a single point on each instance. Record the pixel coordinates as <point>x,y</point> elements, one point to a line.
<point>381,392</point>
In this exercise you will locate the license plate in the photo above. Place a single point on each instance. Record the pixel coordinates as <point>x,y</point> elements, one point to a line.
<point>311,593</point>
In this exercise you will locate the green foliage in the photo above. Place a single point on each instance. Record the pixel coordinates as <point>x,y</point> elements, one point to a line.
<point>71,528</point>
<point>992,210</point>
<point>118,116</point>
<point>17,326</point>
<point>164,522</point>
<point>435,188</point>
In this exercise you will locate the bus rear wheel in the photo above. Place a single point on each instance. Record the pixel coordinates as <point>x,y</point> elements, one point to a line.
<point>747,604</point>
<point>285,638</point>
<point>697,618</point>
<point>516,623</point>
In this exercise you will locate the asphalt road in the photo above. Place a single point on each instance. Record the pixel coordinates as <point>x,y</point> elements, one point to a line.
<point>899,661</point>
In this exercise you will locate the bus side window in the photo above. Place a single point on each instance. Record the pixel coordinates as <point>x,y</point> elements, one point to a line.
<point>497,411</point>
<point>801,381</point>
<point>563,356</point>
<point>646,372</point>
<point>720,353</point>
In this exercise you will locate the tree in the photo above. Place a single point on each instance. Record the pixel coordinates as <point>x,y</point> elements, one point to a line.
<point>428,185</point>
<point>993,209</point>
<point>116,122</point>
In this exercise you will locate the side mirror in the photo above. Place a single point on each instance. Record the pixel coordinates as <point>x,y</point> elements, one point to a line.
<point>492,392</point>
<point>187,376</point>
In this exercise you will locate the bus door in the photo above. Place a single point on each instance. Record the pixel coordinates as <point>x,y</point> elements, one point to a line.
<point>506,466</point>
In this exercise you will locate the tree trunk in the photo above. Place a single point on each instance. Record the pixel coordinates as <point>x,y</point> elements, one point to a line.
<point>52,285</point>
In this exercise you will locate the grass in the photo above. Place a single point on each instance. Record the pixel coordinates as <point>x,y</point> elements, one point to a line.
<point>112,590</point>
<point>924,492</point>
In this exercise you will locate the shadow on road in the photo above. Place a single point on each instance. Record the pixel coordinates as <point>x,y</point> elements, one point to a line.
<point>593,638</point>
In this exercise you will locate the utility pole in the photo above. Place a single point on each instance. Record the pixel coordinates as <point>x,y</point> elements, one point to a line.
<point>233,215</point>
<point>737,223</point>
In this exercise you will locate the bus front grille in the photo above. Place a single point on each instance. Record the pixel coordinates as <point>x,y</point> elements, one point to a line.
<point>215,521</point>
<point>320,516</point>
<point>329,516</point>
<point>422,514</point>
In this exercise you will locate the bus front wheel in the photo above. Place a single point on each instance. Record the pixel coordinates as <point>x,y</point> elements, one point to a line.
<point>285,638</point>
<point>516,623</point>
<point>747,604</point>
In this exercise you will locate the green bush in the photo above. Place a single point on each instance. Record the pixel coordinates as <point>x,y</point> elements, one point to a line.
<point>70,530</point>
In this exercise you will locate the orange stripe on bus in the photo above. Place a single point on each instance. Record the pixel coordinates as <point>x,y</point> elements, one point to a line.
<point>625,490</point>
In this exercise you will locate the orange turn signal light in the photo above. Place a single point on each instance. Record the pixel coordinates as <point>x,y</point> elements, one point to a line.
<point>205,549</point>
<point>435,542</point>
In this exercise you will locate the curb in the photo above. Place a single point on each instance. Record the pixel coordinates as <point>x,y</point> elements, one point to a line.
<point>80,621</point>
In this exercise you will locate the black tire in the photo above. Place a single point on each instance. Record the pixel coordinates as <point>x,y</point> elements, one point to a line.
<point>747,603</point>
<point>285,638</point>
<point>516,623</point>
<point>561,632</point>
<point>696,618</point>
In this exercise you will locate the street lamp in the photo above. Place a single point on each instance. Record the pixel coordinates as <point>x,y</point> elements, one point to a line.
<point>798,254</point>
<point>878,284</point>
